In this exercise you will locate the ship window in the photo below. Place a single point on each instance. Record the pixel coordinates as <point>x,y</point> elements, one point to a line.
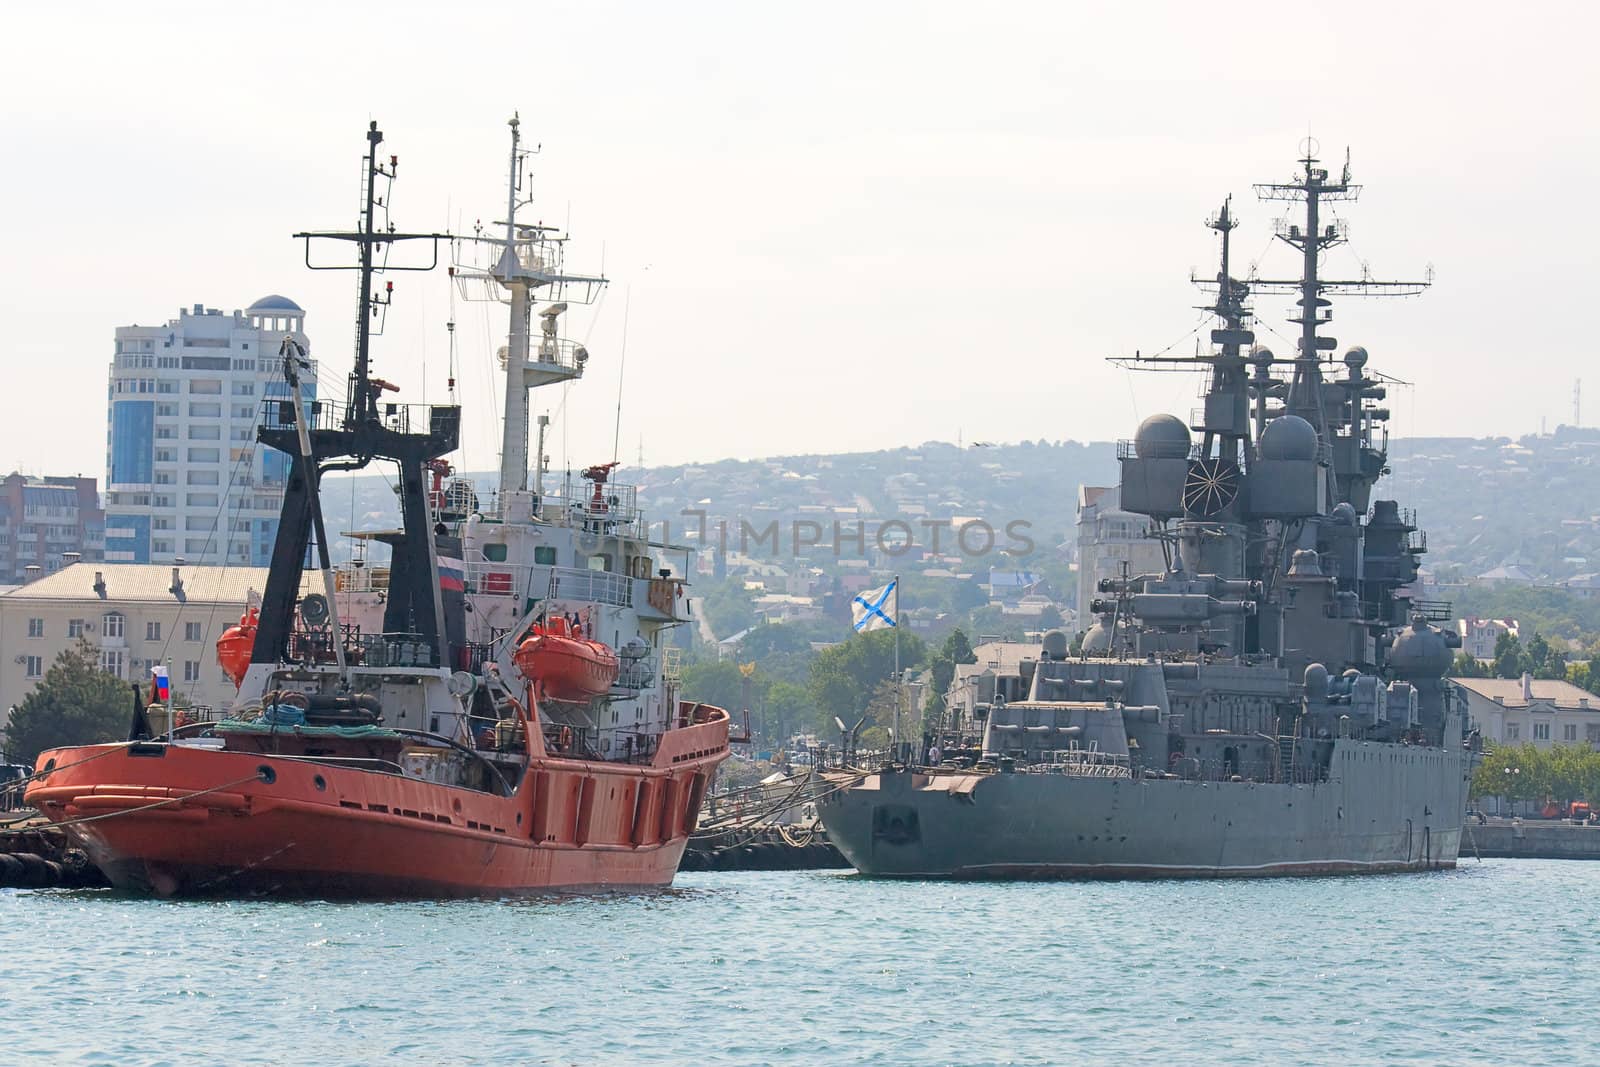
<point>601,562</point>
<point>494,553</point>
<point>545,554</point>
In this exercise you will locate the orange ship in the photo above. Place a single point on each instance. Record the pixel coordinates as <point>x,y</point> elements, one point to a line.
<point>454,723</point>
<point>306,812</point>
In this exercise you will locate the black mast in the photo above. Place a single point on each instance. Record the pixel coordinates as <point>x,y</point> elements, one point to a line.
<point>410,435</point>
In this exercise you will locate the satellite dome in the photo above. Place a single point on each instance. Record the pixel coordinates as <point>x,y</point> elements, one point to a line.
<point>1356,357</point>
<point>1343,514</point>
<point>1055,644</point>
<point>1289,437</point>
<point>1162,437</point>
<point>274,302</point>
<point>1261,355</point>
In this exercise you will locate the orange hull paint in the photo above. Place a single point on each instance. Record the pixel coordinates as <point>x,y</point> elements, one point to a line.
<point>570,825</point>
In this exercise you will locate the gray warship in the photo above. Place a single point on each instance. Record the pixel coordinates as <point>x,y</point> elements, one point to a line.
<point>1272,702</point>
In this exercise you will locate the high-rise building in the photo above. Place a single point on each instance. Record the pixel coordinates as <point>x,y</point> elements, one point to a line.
<point>46,523</point>
<point>1111,543</point>
<point>185,478</point>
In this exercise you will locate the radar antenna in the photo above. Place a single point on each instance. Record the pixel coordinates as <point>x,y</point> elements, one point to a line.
<point>1313,187</point>
<point>361,401</point>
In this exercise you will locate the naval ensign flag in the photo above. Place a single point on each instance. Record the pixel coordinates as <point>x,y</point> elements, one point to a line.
<point>876,609</point>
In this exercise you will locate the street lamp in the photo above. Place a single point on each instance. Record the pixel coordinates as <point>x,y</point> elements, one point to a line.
<point>1511,772</point>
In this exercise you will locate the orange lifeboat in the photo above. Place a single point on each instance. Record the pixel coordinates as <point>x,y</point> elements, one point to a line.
<point>564,666</point>
<point>236,645</point>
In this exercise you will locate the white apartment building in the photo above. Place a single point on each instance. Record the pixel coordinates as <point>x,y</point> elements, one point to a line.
<point>1479,636</point>
<point>185,478</point>
<point>135,615</point>
<point>1514,711</point>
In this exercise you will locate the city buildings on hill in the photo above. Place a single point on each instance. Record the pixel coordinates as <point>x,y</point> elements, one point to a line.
<point>185,478</point>
<point>47,523</point>
<point>134,615</point>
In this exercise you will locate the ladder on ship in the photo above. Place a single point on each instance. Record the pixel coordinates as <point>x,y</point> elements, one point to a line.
<point>1286,758</point>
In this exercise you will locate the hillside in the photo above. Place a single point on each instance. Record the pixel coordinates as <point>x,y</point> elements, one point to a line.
<point>1483,502</point>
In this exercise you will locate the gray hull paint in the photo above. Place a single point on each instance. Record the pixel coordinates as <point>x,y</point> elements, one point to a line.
<point>1383,808</point>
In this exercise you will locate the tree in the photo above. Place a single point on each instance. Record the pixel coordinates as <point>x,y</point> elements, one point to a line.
<point>77,703</point>
<point>1466,665</point>
<point>786,709</point>
<point>955,650</point>
<point>1538,650</point>
<point>1509,660</point>
<point>729,608</point>
<point>716,683</point>
<point>844,677</point>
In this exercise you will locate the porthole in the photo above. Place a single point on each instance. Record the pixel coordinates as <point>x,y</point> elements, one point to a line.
<point>320,782</point>
<point>266,774</point>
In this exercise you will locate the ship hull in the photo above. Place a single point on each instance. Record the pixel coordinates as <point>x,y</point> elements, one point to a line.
<point>1383,808</point>
<point>175,821</point>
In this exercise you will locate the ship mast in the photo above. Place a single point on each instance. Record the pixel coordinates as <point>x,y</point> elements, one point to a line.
<point>1313,187</point>
<point>514,440</point>
<point>324,439</point>
<point>527,260</point>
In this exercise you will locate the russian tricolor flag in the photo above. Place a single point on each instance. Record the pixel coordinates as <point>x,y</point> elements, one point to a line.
<point>163,686</point>
<point>452,575</point>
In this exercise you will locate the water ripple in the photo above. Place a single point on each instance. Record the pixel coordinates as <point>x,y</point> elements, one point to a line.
<point>1486,965</point>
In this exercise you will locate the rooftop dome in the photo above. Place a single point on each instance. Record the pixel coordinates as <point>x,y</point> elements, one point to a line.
<point>1161,437</point>
<point>1289,437</point>
<point>274,302</point>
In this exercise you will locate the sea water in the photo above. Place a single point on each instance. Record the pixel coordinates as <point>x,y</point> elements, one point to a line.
<point>1493,963</point>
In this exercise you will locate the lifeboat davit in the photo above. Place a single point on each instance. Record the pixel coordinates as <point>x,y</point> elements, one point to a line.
<point>563,665</point>
<point>236,645</point>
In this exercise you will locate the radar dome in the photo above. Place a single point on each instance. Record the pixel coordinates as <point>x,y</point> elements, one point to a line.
<point>1289,437</point>
<point>1055,644</point>
<point>1097,639</point>
<point>1343,514</point>
<point>1419,651</point>
<point>1356,357</point>
<point>1162,437</point>
<point>1261,355</point>
<point>1316,681</point>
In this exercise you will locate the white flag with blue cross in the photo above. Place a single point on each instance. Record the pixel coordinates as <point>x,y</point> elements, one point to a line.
<point>876,609</point>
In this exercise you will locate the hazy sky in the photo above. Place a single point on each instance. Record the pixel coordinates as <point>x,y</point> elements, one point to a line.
<point>833,226</point>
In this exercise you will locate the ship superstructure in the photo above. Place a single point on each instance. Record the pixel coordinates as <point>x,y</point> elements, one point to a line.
<point>1271,701</point>
<point>493,710</point>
